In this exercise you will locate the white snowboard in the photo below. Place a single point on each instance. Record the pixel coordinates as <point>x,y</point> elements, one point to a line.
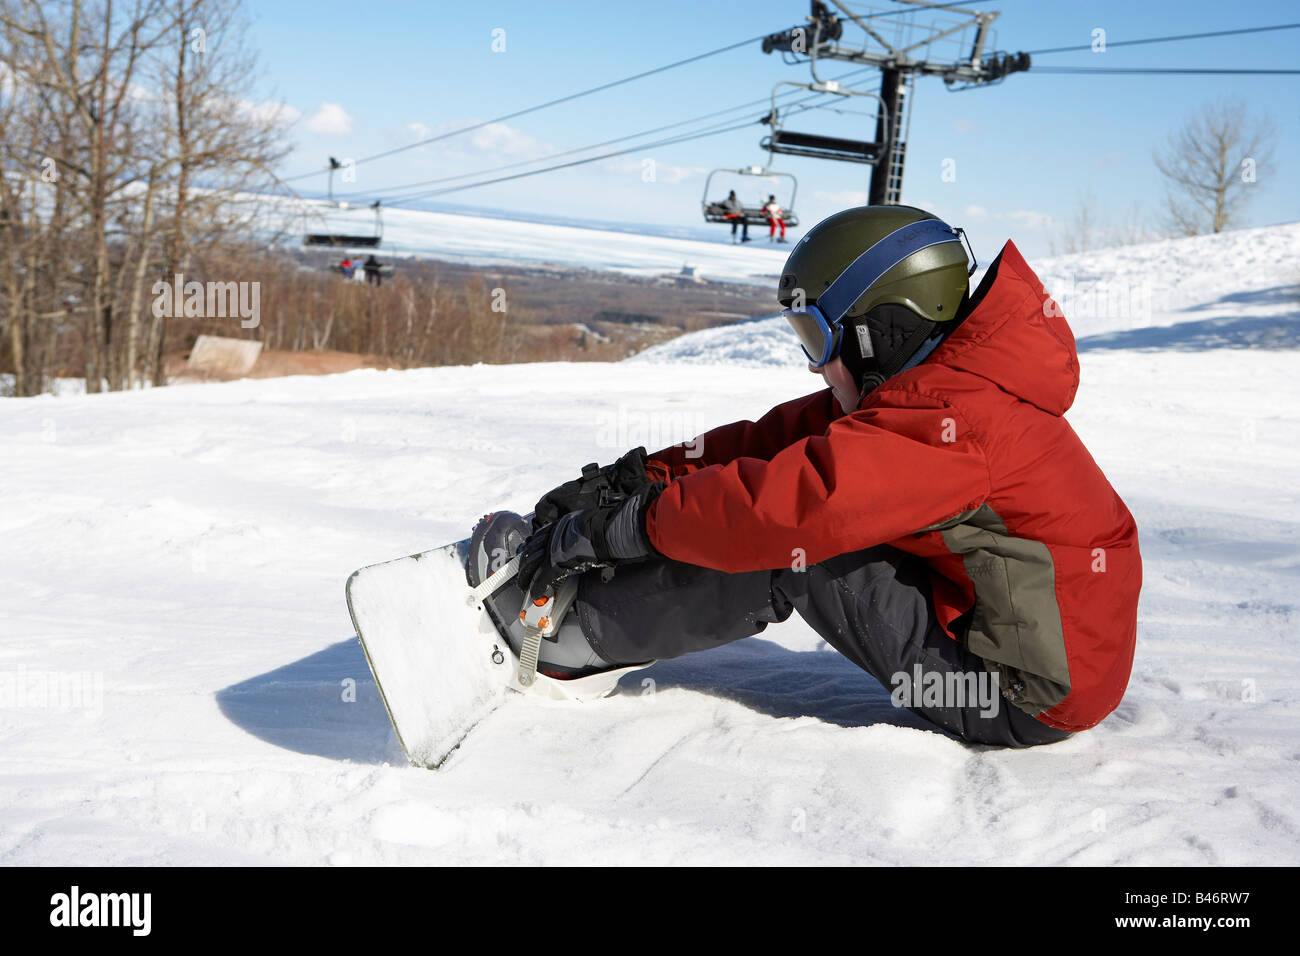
<point>438,662</point>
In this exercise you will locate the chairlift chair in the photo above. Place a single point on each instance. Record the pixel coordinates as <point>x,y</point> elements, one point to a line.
<point>752,215</point>
<point>816,145</point>
<point>341,240</point>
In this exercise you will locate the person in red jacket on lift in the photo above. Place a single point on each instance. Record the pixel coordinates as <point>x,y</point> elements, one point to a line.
<point>775,217</point>
<point>930,513</point>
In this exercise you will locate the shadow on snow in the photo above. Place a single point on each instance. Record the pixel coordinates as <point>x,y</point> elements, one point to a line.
<point>302,707</point>
<point>1227,332</point>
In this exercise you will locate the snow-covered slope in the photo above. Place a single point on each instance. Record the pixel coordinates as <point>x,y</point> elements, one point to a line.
<point>753,344</point>
<point>1237,289</point>
<point>177,557</point>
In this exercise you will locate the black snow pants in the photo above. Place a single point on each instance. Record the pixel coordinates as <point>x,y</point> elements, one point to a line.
<point>873,606</point>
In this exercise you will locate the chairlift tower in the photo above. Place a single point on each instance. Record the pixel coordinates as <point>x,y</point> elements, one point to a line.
<point>901,47</point>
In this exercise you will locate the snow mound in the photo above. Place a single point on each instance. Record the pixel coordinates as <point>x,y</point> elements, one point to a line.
<point>1238,288</point>
<point>1234,290</point>
<point>755,343</point>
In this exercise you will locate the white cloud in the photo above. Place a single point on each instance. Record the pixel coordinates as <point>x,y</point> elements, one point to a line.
<point>975,213</point>
<point>140,93</point>
<point>330,119</point>
<point>409,134</point>
<point>1030,219</point>
<point>268,111</point>
<point>501,140</point>
<point>495,141</point>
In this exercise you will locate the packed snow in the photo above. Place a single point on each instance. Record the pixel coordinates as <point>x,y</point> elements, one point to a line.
<point>181,683</point>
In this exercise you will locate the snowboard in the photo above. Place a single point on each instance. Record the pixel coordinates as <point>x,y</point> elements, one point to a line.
<point>439,663</point>
<point>437,658</point>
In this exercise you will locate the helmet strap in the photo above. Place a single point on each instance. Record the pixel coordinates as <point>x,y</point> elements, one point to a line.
<point>869,369</point>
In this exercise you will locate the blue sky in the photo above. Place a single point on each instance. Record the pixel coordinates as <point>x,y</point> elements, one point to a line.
<point>365,78</point>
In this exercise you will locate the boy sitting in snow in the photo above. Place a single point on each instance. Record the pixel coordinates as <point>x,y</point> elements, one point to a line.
<point>930,514</point>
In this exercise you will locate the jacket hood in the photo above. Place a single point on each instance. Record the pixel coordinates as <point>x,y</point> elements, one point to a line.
<point>1016,336</point>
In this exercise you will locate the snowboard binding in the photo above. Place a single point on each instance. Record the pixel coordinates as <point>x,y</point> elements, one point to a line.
<point>545,646</point>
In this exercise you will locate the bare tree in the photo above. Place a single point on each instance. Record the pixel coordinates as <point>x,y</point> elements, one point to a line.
<point>1079,233</point>
<point>130,138</point>
<point>38,277</point>
<point>216,133</point>
<point>1130,228</point>
<point>79,63</point>
<point>1211,165</point>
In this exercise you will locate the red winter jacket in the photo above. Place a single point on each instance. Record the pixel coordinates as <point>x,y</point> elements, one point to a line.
<point>964,460</point>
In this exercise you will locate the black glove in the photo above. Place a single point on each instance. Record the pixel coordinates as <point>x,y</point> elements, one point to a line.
<point>593,537</point>
<point>597,487</point>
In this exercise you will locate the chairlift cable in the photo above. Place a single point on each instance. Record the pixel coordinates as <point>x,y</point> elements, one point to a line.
<point>641,146</point>
<point>1166,39</point>
<point>609,142</point>
<point>917,9</point>
<point>1173,70</point>
<point>541,106</point>
<point>577,162</point>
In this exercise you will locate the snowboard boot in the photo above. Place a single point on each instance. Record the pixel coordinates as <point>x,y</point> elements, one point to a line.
<point>565,654</point>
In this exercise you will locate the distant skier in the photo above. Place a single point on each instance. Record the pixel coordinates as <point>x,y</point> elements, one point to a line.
<point>372,267</point>
<point>775,217</point>
<point>735,211</point>
<point>930,514</point>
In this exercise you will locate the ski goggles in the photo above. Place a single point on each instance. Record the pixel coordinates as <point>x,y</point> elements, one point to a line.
<point>819,325</point>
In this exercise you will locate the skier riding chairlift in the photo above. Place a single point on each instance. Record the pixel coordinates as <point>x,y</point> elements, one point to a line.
<point>732,210</point>
<point>735,211</point>
<point>774,217</point>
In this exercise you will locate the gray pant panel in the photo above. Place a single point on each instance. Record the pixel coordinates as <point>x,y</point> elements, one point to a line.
<point>872,606</point>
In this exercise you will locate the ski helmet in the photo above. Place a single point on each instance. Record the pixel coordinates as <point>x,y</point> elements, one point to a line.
<point>872,284</point>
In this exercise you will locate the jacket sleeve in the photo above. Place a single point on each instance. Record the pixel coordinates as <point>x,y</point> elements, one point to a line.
<point>780,427</point>
<point>875,475</point>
